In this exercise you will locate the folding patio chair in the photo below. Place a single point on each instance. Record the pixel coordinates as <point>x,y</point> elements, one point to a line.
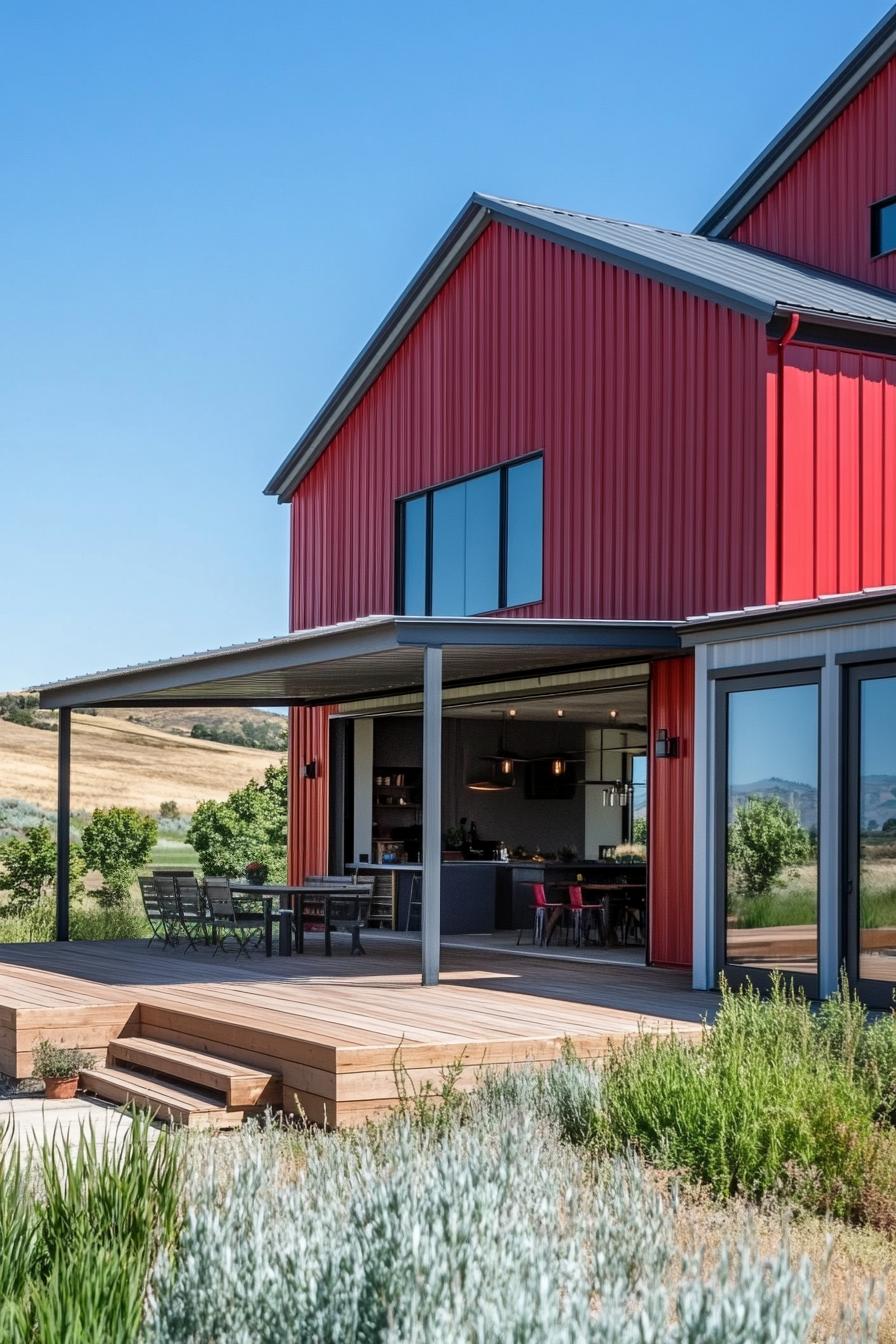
<point>191,909</point>
<point>350,913</point>
<point>166,895</point>
<point>152,908</point>
<point>228,921</point>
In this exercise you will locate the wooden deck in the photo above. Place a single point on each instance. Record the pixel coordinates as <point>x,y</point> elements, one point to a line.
<point>339,1032</point>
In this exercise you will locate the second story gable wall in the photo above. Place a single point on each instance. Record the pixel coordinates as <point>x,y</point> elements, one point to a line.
<point>819,212</point>
<point>647,403</point>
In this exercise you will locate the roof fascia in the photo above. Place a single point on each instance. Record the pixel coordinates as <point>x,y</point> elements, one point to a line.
<point>824,106</point>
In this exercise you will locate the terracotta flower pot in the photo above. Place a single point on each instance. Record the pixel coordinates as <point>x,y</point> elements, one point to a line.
<point>60,1089</point>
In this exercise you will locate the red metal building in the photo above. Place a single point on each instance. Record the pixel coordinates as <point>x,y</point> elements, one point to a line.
<point>715,411</point>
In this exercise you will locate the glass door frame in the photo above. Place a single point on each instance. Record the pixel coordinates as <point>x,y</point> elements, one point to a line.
<point>874,993</point>
<point>747,679</point>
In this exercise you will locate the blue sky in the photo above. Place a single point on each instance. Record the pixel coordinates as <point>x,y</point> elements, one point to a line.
<point>207,208</point>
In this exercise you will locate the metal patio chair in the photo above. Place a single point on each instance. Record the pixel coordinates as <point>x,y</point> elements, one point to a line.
<point>191,910</point>
<point>166,895</point>
<point>350,913</point>
<point>228,921</point>
<point>152,908</point>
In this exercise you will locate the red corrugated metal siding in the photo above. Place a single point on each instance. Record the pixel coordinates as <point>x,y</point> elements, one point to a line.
<point>838,468</point>
<point>309,739</point>
<point>671,816</point>
<point>818,212</point>
<point>648,405</point>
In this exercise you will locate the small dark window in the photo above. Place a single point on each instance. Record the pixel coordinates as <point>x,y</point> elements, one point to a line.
<point>473,545</point>
<point>883,227</point>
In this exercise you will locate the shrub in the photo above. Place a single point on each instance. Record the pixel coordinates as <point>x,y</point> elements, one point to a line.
<point>60,1061</point>
<point>250,826</point>
<point>28,869</point>
<point>117,841</point>
<point>169,810</point>
<point>759,1106</point>
<point>487,1233</point>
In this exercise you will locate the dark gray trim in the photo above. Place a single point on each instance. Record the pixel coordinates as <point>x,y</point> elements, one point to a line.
<point>63,824</point>
<point>875,210</point>
<point>886,655</point>
<point>828,101</point>
<point>765,669</point>
<point>870,338</point>
<point>738,973</point>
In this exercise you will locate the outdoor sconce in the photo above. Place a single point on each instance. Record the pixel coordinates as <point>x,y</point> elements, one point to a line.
<point>309,770</point>
<point>665,746</point>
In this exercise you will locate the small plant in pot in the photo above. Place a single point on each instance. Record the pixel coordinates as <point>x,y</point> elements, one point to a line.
<point>59,1066</point>
<point>257,873</point>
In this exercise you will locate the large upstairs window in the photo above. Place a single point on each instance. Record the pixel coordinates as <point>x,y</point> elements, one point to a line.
<point>474,545</point>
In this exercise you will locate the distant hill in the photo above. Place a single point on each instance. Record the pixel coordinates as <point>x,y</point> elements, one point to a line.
<point>802,797</point>
<point>117,761</point>
<point>249,726</point>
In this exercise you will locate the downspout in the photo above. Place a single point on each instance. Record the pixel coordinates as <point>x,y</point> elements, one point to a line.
<point>778,341</point>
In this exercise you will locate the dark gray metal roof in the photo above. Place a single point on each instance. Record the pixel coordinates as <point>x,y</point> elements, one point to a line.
<point>753,282</point>
<point>358,659</point>
<point>860,66</point>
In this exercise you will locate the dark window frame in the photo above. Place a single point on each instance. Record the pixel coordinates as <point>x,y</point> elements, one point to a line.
<point>877,208</point>
<point>502,469</point>
<point>735,973</point>
<point>875,993</point>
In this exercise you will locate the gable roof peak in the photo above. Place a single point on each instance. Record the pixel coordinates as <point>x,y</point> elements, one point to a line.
<point>825,105</point>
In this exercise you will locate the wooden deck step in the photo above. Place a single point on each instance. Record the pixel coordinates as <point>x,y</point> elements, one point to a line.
<point>190,1106</point>
<point>243,1085</point>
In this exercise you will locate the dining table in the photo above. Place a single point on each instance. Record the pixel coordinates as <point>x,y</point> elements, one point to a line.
<point>609,891</point>
<point>296,897</point>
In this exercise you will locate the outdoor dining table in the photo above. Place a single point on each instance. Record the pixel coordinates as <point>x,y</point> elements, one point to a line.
<point>296,898</point>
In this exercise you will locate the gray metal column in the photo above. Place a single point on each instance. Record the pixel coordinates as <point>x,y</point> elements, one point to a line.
<point>431,916</point>
<point>63,823</point>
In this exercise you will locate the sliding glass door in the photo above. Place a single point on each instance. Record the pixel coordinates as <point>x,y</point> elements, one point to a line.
<point>767,807</point>
<point>871,832</point>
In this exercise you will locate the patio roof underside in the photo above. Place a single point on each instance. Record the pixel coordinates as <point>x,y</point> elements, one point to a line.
<point>373,656</point>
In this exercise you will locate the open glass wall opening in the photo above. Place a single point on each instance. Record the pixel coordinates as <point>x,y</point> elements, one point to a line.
<point>544,792</point>
<point>769,765</point>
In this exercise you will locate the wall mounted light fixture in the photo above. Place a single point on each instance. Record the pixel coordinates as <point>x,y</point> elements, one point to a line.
<point>309,770</point>
<point>665,746</point>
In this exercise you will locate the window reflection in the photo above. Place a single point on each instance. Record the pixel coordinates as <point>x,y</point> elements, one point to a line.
<point>877,829</point>
<point>524,533</point>
<point>772,828</point>
<point>415,557</point>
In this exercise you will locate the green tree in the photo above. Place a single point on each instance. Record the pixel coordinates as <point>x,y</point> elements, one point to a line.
<point>169,810</point>
<point>639,831</point>
<point>764,838</point>
<point>117,841</point>
<point>28,870</point>
<point>248,827</point>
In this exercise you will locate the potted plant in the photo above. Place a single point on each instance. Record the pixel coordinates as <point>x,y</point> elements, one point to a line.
<point>59,1067</point>
<point>257,873</point>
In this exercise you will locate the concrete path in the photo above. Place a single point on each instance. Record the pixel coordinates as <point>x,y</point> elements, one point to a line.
<point>28,1121</point>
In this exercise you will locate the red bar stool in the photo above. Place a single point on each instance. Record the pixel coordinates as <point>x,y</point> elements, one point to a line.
<point>540,932</point>
<point>579,909</point>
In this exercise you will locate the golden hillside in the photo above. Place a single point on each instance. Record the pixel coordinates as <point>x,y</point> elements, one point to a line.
<point>128,764</point>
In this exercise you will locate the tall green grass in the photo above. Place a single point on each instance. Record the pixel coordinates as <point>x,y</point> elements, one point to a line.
<point>774,1100</point>
<point>79,1232</point>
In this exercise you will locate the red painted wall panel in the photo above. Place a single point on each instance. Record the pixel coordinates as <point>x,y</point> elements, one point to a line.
<point>838,469</point>
<point>818,212</point>
<point>648,405</point>
<point>308,841</point>
<point>671,816</point>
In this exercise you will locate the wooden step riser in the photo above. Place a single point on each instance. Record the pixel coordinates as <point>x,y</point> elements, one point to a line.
<point>139,1095</point>
<point>237,1093</point>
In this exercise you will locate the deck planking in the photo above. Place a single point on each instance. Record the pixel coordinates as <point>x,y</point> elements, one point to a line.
<point>338,1030</point>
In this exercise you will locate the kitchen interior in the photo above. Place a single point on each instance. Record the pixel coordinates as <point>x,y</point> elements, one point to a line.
<point>550,790</point>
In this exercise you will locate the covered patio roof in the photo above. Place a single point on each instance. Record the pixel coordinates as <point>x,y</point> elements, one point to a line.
<point>372,656</point>
<point>354,661</point>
